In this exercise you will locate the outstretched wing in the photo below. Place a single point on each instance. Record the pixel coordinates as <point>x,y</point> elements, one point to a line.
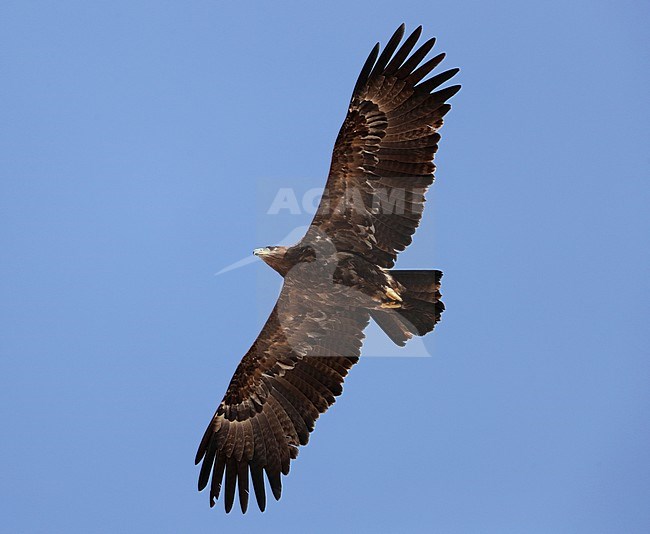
<point>382,162</point>
<point>290,375</point>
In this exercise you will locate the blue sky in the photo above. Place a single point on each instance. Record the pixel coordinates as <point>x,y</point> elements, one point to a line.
<point>142,144</point>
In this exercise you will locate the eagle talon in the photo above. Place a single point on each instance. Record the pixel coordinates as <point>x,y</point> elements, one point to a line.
<point>392,294</point>
<point>391,305</point>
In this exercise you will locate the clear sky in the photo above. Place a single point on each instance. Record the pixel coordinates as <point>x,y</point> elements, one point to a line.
<point>142,144</point>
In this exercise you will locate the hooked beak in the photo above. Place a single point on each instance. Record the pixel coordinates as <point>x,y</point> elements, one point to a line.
<point>261,251</point>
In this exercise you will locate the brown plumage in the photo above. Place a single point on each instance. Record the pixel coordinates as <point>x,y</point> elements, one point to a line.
<point>338,276</point>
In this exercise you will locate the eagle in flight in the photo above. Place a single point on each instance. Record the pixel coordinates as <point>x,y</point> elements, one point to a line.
<point>338,276</point>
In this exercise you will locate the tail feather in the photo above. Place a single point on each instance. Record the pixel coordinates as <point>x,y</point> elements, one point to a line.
<point>421,307</point>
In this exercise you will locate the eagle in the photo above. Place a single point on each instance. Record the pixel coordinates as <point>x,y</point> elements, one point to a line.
<point>339,276</point>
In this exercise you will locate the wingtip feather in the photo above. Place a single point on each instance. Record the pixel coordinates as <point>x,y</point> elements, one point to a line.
<point>388,51</point>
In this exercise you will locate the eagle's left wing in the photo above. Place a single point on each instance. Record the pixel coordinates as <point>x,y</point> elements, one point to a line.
<point>382,162</point>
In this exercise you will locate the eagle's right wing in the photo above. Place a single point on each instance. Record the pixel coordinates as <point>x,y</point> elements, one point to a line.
<point>290,375</point>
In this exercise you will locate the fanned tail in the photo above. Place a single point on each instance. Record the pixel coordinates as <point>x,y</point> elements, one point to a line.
<point>421,307</point>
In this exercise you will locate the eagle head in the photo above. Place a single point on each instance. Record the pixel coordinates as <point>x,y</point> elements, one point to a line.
<point>282,259</point>
<point>274,257</point>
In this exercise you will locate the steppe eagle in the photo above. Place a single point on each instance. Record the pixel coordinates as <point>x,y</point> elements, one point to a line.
<point>338,276</point>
